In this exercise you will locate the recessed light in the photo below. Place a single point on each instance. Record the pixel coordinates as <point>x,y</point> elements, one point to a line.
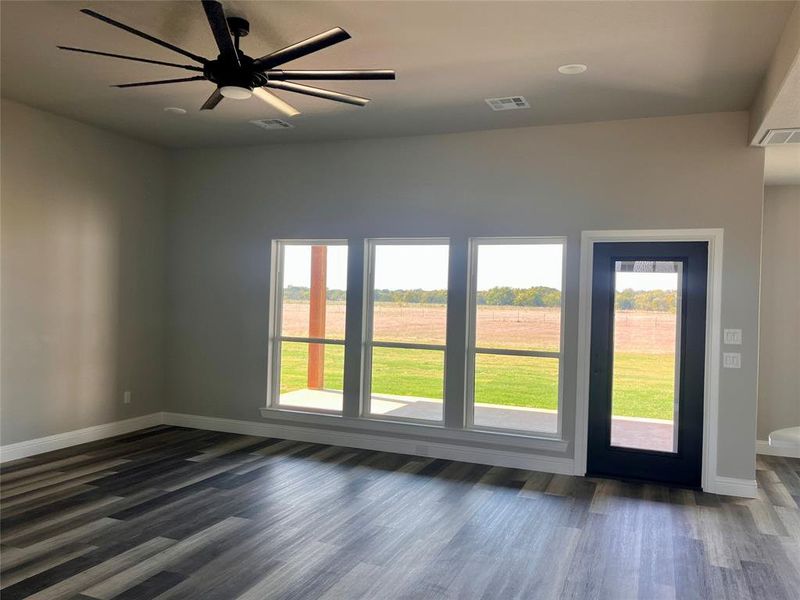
<point>573,69</point>
<point>175,110</point>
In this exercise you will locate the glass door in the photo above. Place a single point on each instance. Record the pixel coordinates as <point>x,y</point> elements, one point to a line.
<point>647,361</point>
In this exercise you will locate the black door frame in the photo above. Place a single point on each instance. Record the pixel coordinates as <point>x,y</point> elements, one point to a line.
<point>686,466</point>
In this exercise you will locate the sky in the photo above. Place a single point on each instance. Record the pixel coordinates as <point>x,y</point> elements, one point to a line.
<point>519,265</point>
<point>406,267</point>
<point>400,267</point>
<point>297,266</point>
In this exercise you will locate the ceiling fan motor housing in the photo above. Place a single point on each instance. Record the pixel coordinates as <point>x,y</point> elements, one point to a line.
<point>223,73</point>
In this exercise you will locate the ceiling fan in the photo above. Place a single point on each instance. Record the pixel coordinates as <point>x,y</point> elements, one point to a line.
<point>239,76</point>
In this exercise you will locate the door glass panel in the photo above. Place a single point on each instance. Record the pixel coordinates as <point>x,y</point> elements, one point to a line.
<point>644,396</point>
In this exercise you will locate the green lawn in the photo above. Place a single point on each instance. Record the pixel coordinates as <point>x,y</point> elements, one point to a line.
<point>294,366</point>
<point>643,383</point>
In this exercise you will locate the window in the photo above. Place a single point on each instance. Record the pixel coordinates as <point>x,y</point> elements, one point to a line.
<point>406,329</point>
<point>514,349</point>
<point>308,325</point>
<point>396,370</point>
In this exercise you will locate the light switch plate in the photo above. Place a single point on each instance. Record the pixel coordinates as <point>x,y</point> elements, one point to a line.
<point>732,337</point>
<point>731,360</point>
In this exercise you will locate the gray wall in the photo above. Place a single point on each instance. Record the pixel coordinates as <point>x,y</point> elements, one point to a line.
<point>82,275</point>
<point>226,204</point>
<point>779,362</point>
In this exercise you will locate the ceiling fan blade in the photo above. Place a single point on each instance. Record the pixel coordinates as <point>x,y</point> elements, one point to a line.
<point>348,75</point>
<point>136,58</point>
<point>312,44</point>
<point>146,36</point>
<point>275,102</point>
<point>222,34</point>
<point>318,92</point>
<point>159,82</point>
<point>214,99</point>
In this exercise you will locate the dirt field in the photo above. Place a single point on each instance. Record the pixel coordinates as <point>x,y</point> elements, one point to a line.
<point>498,326</point>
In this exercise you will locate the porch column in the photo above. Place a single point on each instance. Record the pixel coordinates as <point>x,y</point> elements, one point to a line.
<point>316,320</point>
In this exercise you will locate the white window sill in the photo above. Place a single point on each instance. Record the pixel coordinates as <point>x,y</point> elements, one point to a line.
<point>434,431</point>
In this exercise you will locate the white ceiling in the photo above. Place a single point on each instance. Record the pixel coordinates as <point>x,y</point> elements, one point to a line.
<point>645,59</point>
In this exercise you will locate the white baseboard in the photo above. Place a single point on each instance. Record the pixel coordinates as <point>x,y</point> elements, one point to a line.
<point>763,447</point>
<point>732,486</point>
<point>383,443</point>
<point>729,486</point>
<point>78,436</point>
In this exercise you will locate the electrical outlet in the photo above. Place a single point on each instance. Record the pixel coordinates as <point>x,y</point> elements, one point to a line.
<point>731,360</point>
<point>733,337</point>
<point>126,397</point>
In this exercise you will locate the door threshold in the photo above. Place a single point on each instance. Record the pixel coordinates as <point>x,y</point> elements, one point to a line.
<point>642,480</point>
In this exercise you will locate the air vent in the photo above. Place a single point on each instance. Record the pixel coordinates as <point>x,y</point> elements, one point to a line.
<point>271,124</point>
<point>779,137</point>
<point>508,103</point>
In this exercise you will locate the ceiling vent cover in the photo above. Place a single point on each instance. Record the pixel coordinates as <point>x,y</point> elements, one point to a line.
<point>508,103</point>
<point>779,137</point>
<point>272,124</point>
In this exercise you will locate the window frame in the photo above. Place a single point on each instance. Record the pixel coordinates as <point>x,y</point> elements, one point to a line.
<point>276,338</point>
<point>367,342</point>
<point>473,350</point>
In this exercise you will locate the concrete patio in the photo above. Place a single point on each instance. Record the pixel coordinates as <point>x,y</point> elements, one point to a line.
<point>632,432</point>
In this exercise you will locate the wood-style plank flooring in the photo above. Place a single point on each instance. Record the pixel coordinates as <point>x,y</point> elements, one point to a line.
<point>180,513</point>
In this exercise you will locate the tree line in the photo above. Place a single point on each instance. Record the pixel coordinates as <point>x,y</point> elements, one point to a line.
<point>540,296</point>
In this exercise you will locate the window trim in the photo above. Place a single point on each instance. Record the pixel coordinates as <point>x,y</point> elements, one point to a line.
<point>473,350</point>
<point>367,343</point>
<point>275,322</point>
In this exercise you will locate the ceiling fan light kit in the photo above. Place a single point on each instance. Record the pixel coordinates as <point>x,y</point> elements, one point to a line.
<point>240,77</point>
<point>234,92</point>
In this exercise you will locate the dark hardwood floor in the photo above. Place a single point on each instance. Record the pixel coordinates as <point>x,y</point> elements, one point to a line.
<point>180,513</point>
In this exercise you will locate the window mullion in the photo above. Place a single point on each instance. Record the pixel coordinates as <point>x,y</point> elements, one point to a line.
<point>310,340</point>
<point>407,345</point>
<point>456,342</point>
<point>517,352</point>
<point>354,329</point>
